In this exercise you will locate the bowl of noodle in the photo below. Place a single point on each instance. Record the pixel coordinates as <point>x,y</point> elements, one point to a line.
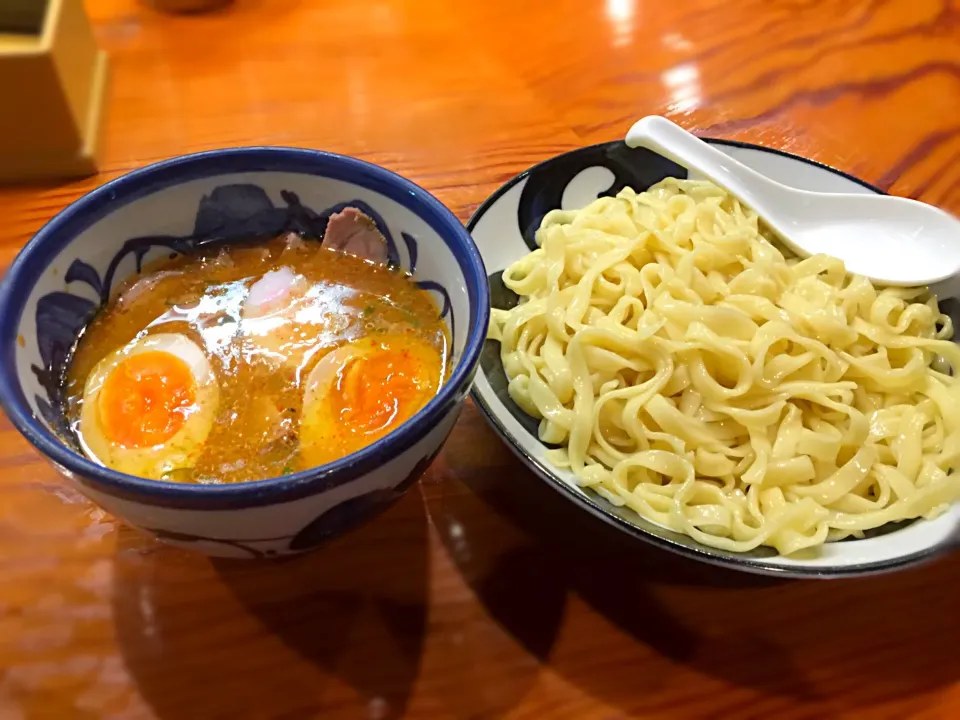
<point>658,357</point>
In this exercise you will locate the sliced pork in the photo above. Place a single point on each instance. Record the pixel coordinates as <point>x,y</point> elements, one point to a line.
<point>352,232</point>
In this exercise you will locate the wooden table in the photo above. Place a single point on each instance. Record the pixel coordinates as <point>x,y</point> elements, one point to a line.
<point>483,594</point>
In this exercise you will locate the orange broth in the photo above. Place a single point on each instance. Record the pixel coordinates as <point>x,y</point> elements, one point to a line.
<point>255,433</point>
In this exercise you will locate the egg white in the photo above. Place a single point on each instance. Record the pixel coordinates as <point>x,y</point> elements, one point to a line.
<point>183,448</point>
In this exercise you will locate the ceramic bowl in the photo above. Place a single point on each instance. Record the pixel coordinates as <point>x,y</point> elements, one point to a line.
<point>503,228</point>
<point>66,272</point>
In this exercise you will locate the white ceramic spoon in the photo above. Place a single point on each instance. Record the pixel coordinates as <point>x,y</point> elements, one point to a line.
<point>892,240</point>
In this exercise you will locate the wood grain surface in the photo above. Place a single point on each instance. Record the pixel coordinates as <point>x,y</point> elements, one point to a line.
<point>483,594</point>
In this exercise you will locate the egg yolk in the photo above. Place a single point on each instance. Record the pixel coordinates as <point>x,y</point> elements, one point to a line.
<point>373,392</point>
<point>146,399</point>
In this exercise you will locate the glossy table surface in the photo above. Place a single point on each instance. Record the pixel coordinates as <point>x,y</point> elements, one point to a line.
<point>483,594</point>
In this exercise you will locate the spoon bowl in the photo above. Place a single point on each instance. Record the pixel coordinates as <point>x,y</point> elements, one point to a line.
<point>891,240</point>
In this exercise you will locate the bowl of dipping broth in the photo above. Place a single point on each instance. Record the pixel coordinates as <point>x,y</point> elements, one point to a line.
<point>244,351</point>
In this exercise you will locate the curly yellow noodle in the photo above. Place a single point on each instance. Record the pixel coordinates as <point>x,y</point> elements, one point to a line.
<point>692,372</point>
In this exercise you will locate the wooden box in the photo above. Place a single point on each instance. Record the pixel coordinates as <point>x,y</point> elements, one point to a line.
<point>53,86</point>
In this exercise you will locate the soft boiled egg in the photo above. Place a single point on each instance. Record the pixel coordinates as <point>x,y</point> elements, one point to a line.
<point>149,406</point>
<point>363,390</point>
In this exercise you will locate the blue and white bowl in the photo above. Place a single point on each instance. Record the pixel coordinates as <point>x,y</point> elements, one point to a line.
<point>66,272</point>
<point>503,228</point>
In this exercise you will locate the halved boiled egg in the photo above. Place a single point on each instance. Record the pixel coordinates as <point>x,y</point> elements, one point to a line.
<point>363,390</point>
<point>149,406</point>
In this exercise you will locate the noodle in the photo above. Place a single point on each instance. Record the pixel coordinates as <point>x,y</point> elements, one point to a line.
<point>690,371</point>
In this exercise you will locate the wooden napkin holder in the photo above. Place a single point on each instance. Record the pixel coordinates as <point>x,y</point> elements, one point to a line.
<point>53,87</point>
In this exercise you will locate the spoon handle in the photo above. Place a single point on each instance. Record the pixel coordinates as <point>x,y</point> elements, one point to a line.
<point>769,199</point>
